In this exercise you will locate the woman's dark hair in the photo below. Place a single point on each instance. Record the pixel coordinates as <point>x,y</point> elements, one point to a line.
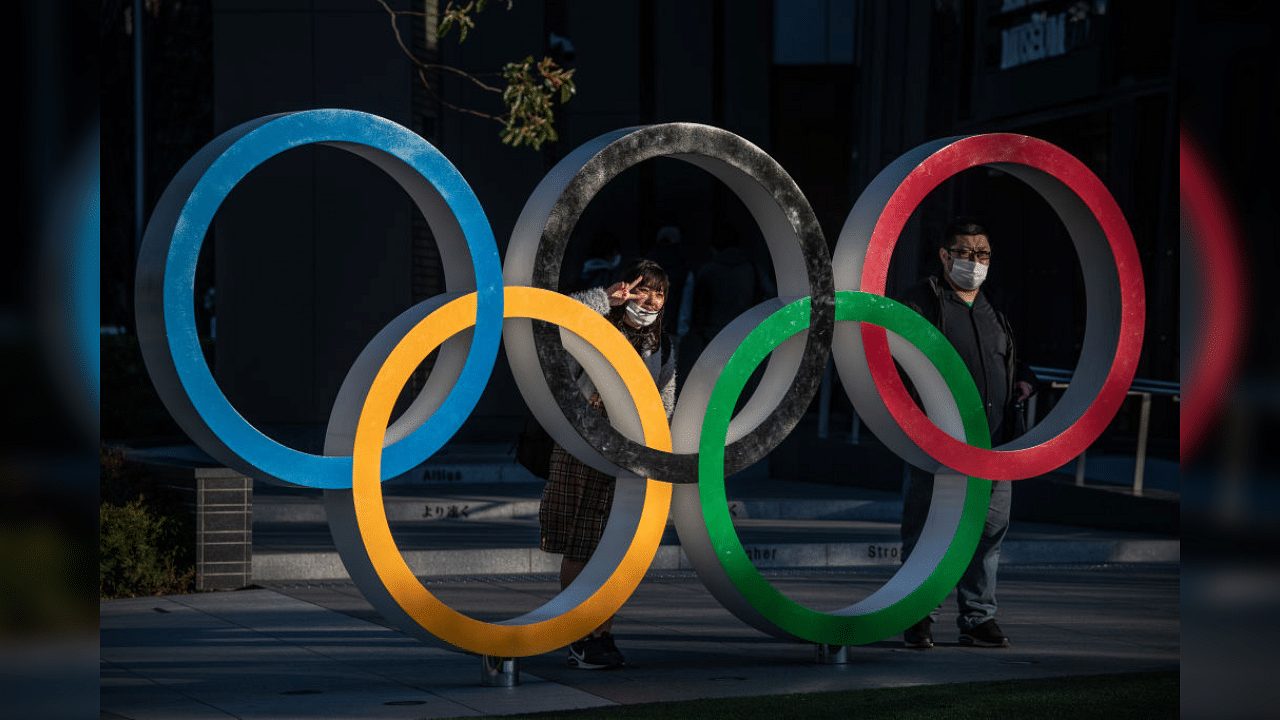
<point>655,278</point>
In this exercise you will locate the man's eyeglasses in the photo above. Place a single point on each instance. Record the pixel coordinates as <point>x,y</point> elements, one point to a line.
<point>982,256</point>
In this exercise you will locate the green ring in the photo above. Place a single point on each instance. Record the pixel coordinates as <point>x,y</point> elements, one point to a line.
<point>839,628</point>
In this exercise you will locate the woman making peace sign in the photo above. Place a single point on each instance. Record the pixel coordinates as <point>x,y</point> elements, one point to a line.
<point>577,498</point>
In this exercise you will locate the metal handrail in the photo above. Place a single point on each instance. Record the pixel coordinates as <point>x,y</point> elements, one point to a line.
<point>1060,379</point>
<point>1155,387</point>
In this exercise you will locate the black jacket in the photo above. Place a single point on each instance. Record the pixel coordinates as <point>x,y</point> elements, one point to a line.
<point>927,299</point>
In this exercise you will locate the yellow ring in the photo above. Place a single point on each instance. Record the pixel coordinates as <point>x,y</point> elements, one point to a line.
<point>525,635</point>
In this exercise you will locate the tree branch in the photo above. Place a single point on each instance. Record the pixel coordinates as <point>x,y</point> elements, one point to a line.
<point>426,65</point>
<point>457,108</point>
<point>531,88</point>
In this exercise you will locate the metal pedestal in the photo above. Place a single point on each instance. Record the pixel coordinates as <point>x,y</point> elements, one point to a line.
<point>499,671</point>
<point>831,654</point>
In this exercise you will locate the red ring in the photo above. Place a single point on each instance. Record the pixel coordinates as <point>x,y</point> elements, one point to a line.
<point>1058,451</point>
<point>1218,355</point>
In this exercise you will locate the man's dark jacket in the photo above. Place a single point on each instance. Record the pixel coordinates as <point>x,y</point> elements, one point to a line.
<point>926,298</point>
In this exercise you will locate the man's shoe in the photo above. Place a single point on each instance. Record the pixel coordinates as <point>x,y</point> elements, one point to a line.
<point>612,655</point>
<point>595,652</point>
<point>918,636</point>
<point>988,634</point>
<point>588,654</point>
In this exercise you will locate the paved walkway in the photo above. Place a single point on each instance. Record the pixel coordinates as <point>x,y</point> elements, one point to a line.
<point>318,650</point>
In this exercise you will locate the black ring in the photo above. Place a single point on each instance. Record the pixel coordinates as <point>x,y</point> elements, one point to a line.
<point>717,151</point>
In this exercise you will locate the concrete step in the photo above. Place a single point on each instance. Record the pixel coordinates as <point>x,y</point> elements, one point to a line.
<point>471,510</point>
<point>490,501</point>
<point>304,551</point>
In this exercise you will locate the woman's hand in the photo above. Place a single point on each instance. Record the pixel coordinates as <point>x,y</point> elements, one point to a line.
<point>620,292</point>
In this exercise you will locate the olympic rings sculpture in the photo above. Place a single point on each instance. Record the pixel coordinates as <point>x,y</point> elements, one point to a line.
<point>826,306</point>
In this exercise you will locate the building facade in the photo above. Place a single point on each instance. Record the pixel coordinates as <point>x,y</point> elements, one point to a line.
<point>315,251</point>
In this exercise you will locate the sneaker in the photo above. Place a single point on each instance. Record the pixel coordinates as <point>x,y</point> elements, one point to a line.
<point>918,636</point>
<point>988,634</point>
<point>591,653</point>
<point>612,653</point>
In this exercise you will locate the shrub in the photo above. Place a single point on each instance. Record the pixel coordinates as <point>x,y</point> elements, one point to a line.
<point>146,537</point>
<point>134,558</point>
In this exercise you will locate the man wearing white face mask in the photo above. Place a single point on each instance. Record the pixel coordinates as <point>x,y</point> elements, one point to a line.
<point>981,334</point>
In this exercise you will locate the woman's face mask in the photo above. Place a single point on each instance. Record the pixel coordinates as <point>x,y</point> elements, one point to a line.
<point>640,316</point>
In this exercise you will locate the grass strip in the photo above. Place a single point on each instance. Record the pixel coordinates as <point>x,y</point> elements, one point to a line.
<point>1128,695</point>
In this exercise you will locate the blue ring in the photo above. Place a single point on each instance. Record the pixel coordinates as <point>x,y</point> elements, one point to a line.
<point>256,145</point>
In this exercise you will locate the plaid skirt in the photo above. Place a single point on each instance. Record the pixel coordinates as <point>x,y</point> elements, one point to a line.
<point>575,506</point>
